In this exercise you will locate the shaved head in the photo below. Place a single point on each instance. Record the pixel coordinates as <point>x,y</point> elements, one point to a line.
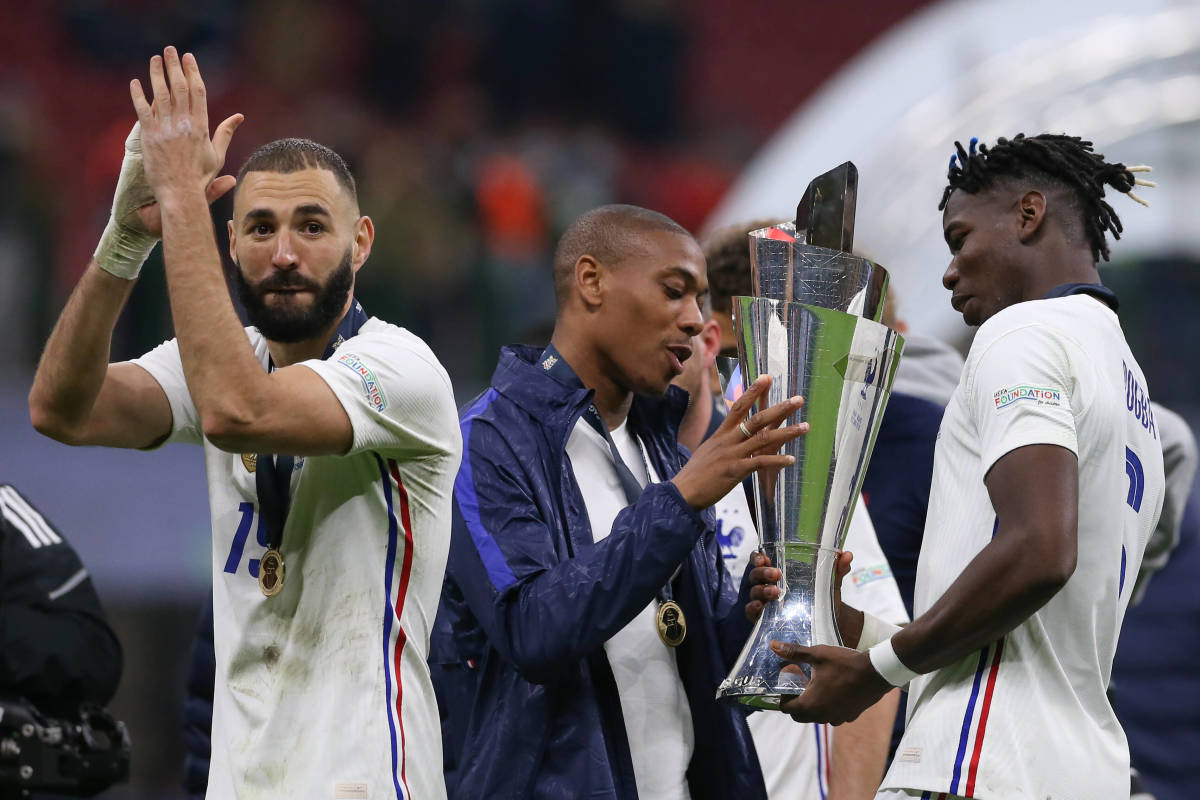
<point>609,234</point>
<point>293,155</point>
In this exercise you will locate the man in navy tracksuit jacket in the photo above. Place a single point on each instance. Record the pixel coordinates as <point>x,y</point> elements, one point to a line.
<point>529,702</point>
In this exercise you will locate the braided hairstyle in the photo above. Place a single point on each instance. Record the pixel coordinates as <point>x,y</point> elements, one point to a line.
<point>1067,162</point>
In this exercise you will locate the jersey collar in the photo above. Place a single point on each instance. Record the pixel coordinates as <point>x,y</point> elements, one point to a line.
<point>1096,290</point>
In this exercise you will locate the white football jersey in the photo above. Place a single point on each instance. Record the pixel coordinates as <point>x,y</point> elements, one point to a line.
<point>1027,716</point>
<point>322,691</point>
<point>794,756</point>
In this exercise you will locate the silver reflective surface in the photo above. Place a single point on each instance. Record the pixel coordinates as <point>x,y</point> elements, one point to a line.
<point>843,363</point>
<point>784,269</point>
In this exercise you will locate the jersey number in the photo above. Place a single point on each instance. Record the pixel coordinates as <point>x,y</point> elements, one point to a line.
<point>1137,479</point>
<point>1137,486</point>
<point>239,540</point>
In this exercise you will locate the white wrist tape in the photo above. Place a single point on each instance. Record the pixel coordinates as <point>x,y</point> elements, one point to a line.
<point>126,244</point>
<point>888,664</point>
<point>874,631</point>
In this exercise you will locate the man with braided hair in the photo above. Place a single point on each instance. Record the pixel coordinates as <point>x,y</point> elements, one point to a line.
<point>1048,479</point>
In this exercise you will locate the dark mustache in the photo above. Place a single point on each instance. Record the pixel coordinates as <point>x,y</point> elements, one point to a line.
<point>285,281</point>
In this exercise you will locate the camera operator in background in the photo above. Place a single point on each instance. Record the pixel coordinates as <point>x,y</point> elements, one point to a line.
<point>59,661</point>
<point>56,647</point>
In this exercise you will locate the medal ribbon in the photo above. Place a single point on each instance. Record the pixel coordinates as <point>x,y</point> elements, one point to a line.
<point>273,474</point>
<point>554,364</point>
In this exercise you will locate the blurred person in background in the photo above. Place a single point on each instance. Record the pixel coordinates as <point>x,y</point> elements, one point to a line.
<point>56,647</point>
<point>901,469</point>
<point>815,761</point>
<point>585,590</point>
<point>1179,466</point>
<point>199,688</point>
<point>330,434</point>
<point>1035,531</point>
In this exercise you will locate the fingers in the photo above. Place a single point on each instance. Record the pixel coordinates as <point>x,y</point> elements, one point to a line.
<point>764,594</point>
<point>219,187</point>
<point>224,134</point>
<point>195,88</point>
<point>797,707</point>
<point>754,610</point>
<point>770,440</point>
<point>741,407</point>
<point>795,653</point>
<point>765,574</point>
<point>763,464</point>
<point>800,707</point>
<point>844,560</point>
<point>158,82</point>
<point>774,415</point>
<point>180,97</point>
<point>761,578</point>
<point>140,104</point>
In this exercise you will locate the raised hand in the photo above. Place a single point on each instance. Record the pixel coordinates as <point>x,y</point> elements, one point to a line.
<point>740,446</point>
<point>129,237</point>
<point>178,154</point>
<point>135,223</point>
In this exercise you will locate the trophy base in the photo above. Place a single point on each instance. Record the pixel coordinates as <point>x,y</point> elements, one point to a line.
<point>802,615</point>
<point>760,694</point>
<point>768,702</point>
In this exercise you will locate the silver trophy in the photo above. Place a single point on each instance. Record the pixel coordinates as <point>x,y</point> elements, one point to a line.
<point>814,327</point>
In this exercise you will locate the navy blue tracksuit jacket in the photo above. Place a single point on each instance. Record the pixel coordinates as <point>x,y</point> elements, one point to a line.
<point>528,698</point>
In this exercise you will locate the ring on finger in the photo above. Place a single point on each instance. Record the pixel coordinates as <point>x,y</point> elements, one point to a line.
<point>745,431</point>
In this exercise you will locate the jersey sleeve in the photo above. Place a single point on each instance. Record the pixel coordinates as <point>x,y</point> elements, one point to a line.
<point>165,366</point>
<point>870,586</point>
<point>1024,389</point>
<point>396,394</point>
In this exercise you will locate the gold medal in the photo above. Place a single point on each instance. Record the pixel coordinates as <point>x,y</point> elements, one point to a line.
<point>270,573</point>
<point>672,627</point>
<point>250,461</point>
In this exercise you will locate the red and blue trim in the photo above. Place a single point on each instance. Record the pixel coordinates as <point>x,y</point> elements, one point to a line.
<point>976,725</point>
<point>393,648</point>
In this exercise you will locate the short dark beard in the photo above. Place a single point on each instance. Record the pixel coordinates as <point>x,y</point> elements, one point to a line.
<point>289,326</point>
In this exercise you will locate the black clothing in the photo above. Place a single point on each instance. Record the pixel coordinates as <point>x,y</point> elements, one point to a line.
<point>56,647</point>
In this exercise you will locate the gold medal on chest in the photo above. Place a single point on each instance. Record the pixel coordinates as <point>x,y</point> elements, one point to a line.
<point>672,626</point>
<point>250,461</point>
<point>270,572</point>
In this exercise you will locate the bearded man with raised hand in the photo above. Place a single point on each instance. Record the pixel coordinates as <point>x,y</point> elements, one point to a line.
<point>329,434</point>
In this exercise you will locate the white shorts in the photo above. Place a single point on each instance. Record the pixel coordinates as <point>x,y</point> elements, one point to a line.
<point>914,794</point>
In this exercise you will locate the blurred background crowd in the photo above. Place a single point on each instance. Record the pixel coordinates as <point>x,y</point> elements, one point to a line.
<point>478,129</point>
